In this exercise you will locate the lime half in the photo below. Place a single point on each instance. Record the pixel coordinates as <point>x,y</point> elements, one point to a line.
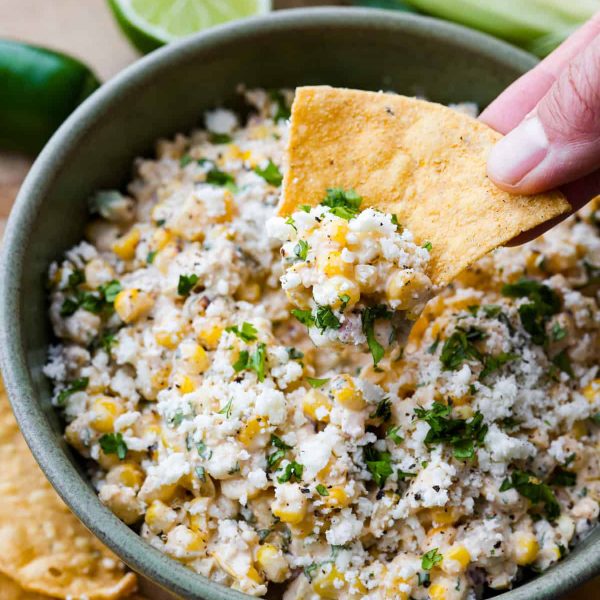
<point>149,24</point>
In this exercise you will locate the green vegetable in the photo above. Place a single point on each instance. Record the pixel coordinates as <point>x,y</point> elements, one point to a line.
<point>113,443</point>
<point>536,25</point>
<point>283,110</point>
<point>392,433</point>
<point>534,490</point>
<point>544,303</point>
<point>39,89</point>
<point>463,435</point>
<point>369,316</point>
<point>316,383</point>
<point>271,174</point>
<point>428,246</point>
<point>217,177</point>
<point>220,138</point>
<point>293,471</point>
<point>186,284</point>
<point>301,249</point>
<point>110,290</point>
<point>343,204</point>
<point>247,332</point>
<point>383,411</point>
<point>563,362</point>
<point>379,464</point>
<point>562,477</point>
<point>226,410</point>
<point>254,362</point>
<point>326,319</point>
<point>459,347</point>
<point>430,559</point>
<point>493,363</point>
<point>304,316</point>
<point>322,490</point>
<point>77,385</point>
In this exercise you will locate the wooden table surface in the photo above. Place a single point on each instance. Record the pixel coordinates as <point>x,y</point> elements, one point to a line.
<point>85,29</point>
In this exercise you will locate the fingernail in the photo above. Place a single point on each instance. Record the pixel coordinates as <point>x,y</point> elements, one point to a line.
<point>518,153</point>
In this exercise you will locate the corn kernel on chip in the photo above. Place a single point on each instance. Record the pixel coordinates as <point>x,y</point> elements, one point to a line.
<point>45,548</point>
<point>424,162</point>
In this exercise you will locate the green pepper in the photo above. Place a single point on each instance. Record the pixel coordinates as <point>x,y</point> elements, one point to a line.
<point>39,88</point>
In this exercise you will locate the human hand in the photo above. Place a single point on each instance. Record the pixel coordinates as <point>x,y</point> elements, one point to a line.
<point>551,116</point>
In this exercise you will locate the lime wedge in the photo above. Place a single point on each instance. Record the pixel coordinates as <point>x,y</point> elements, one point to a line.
<point>149,24</point>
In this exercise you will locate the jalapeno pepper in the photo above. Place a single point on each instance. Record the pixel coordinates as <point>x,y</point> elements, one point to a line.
<point>39,88</point>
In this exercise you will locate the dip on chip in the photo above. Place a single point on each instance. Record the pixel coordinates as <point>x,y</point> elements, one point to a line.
<point>44,547</point>
<point>421,161</point>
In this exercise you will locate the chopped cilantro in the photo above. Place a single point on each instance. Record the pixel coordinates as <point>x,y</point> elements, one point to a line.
<point>534,490</point>
<point>247,332</point>
<point>75,278</point>
<point>432,349</point>
<point>217,177</point>
<point>186,284</point>
<point>326,319</point>
<point>428,246</point>
<point>317,383</point>
<point>68,307</point>
<point>290,221</point>
<point>378,464</point>
<point>185,160</point>
<point>294,353</point>
<point>151,256</point>
<point>491,310</point>
<point>558,332</point>
<point>383,410</point>
<point>463,435</point>
<point>544,302</point>
<point>395,222</point>
<point>369,316</point>
<point>226,410</point>
<point>301,249</point>
<point>304,316</point>
<point>344,299</point>
<point>343,204</point>
<point>201,473</point>
<point>322,490</point>
<point>305,208</point>
<point>110,290</point>
<point>257,361</point>
<point>242,361</point>
<point>493,363</point>
<point>271,174</point>
<point>562,477</point>
<point>279,443</point>
<point>274,459</point>
<point>113,443</point>
<point>292,471</point>
<point>220,138</point>
<point>108,340</point>
<point>282,111</point>
<point>203,450</point>
<point>263,534</point>
<point>460,347</point>
<point>563,362</point>
<point>392,433</point>
<point>402,475</point>
<point>431,559</point>
<point>77,385</point>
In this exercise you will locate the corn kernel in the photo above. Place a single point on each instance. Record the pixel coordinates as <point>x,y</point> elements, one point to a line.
<point>456,559</point>
<point>332,264</point>
<point>346,393</point>
<point>329,585</point>
<point>159,517</point>
<point>407,288</point>
<point>105,410</point>
<point>209,336</point>
<point>193,357</point>
<point>337,231</point>
<point>525,548</point>
<point>250,292</point>
<point>579,430</point>
<point>348,292</point>
<point>272,563</point>
<point>393,589</point>
<point>464,412</point>
<point>168,339</point>
<point>316,406</point>
<point>124,247</point>
<point>160,238</point>
<point>252,429</point>
<point>131,304</point>
<point>127,474</point>
<point>592,391</point>
<point>184,384</point>
<point>444,516</point>
<point>255,576</point>
<point>337,498</point>
<point>289,504</point>
<point>438,591</point>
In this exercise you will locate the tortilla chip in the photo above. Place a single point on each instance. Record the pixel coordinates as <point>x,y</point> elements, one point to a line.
<point>422,161</point>
<point>12,591</point>
<point>44,547</point>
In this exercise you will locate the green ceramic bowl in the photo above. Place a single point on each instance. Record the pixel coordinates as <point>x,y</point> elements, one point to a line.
<point>167,92</point>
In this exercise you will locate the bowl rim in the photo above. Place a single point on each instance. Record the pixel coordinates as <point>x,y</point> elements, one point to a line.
<point>127,544</point>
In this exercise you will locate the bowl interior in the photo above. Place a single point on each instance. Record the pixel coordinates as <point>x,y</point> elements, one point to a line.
<point>165,93</point>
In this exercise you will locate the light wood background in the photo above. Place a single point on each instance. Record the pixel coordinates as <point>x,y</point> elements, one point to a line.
<point>86,30</point>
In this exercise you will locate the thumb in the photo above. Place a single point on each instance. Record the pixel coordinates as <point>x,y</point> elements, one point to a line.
<point>559,141</point>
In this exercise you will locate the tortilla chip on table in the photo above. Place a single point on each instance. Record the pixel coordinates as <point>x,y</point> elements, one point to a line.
<point>45,549</point>
<point>421,161</point>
